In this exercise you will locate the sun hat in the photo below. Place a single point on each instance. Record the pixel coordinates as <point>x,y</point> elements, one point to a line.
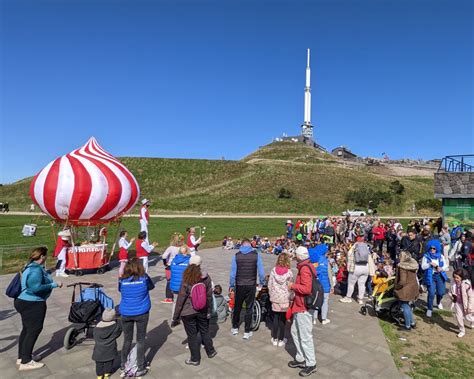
<point>144,201</point>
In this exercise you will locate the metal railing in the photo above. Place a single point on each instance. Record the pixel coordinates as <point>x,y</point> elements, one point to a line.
<point>457,163</point>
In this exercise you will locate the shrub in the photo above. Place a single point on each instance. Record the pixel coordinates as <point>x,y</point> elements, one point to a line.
<point>284,193</point>
<point>432,204</point>
<point>397,187</point>
<point>362,197</point>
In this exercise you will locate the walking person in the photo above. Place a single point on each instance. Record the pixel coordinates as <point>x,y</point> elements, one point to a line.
<point>462,296</point>
<point>280,295</point>
<point>167,257</point>
<point>445,238</point>
<point>194,308</point>
<point>243,279</point>
<point>134,308</point>
<point>36,287</point>
<point>144,217</point>
<point>302,326</point>
<point>406,286</point>
<point>124,245</point>
<point>143,249</point>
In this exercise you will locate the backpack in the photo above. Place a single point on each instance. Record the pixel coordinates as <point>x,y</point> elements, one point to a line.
<point>361,255</point>
<point>199,296</point>
<point>316,299</point>
<point>131,366</point>
<point>14,288</point>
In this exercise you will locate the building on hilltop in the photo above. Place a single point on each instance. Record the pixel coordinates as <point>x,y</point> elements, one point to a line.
<point>343,153</point>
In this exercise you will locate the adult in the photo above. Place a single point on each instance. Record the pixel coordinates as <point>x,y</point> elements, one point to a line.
<point>318,256</point>
<point>144,216</point>
<point>36,287</point>
<point>195,321</point>
<point>360,266</point>
<point>177,267</point>
<point>406,286</point>
<point>466,249</point>
<point>143,248</point>
<point>378,233</point>
<point>135,304</point>
<point>434,276</point>
<point>243,279</point>
<point>193,242</point>
<point>167,257</point>
<point>412,244</point>
<point>445,239</point>
<point>302,326</point>
<point>60,252</point>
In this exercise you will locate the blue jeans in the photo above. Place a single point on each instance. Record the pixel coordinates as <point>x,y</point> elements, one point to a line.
<point>407,314</point>
<point>437,287</point>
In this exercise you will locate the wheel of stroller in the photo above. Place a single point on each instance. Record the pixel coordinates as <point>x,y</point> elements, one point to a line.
<point>70,338</point>
<point>256,316</point>
<point>79,272</point>
<point>363,310</point>
<point>101,270</point>
<point>396,313</point>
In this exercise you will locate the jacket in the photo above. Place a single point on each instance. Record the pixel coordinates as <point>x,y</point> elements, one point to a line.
<point>105,337</point>
<point>302,286</point>
<point>467,295</point>
<point>323,270</point>
<point>406,281</point>
<point>243,271</point>
<point>178,265</point>
<point>278,288</point>
<point>135,299</point>
<point>378,233</point>
<point>36,283</point>
<point>221,308</point>
<point>184,307</point>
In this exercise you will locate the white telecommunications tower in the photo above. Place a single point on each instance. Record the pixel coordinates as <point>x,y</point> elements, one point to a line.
<point>307,128</point>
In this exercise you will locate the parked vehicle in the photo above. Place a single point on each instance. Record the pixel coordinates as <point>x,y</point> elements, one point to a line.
<point>354,213</point>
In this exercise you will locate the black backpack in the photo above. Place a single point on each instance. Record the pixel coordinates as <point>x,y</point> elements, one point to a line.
<point>316,299</point>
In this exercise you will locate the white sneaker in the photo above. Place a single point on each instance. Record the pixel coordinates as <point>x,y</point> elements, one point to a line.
<point>461,334</point>
<point>234,331</point>
<point>315,320</point>
<point>247,336</point>
<point>281,343</point>
<point>360,301</point>
<point>429,313</point>
<point>35,358</point>
<point>32,365</point>
<point>440,306</point>
<point>274,342</point>
<point>63,275</point>
<point>325,322</point>
<point>472,325</point>
<point>346,300</point>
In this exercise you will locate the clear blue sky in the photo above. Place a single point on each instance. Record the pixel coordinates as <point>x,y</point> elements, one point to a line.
<point>206,79</point>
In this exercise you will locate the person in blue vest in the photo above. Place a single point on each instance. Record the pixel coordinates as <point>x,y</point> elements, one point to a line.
<point>318,256</point>
<point>434,275</point>
<point>178,266</point>
<point>135,304</point>
<point>243,278</point>
<point>36,287</point>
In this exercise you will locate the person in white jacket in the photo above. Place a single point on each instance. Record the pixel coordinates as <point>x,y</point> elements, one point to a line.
<point>144,217</point>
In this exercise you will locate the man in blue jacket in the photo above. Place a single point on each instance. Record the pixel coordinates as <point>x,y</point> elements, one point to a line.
<point>243,278</point>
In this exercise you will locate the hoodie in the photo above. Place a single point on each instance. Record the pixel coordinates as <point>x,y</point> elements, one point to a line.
<point>246,249</point>
<point>105,337</point>
<point>278,288</point>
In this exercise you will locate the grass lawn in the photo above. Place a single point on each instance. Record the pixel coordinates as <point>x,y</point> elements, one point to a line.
<point>432,350</point>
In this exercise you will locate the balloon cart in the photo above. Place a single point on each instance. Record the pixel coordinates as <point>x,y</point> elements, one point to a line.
<point>85,191</point>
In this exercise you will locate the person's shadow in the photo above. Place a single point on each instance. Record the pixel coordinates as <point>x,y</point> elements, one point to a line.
<point>14,340</point>
<point>156,339</point>
<point>7,313</point>
<point>56,342</point>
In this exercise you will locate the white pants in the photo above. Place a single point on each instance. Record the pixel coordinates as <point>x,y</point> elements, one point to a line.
<point>359,276</point>
<point>460,316</point>
<point>302,334</point>
<point>62,258</point>
<point>145,263</point>
<point>144,228</point>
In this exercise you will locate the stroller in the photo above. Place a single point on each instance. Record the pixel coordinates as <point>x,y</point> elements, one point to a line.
<point>85,310</point>
<point>384,302</point>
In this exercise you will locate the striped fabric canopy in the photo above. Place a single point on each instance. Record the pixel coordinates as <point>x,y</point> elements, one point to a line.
<point>85,187</point>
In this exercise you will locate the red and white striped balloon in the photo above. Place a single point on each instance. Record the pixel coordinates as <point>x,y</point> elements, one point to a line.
<point>85,187</point>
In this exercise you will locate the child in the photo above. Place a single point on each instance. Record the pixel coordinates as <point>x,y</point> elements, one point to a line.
<point>124,245</point>
<point>318,255</point>
<point>221,304</point>
<point>380,279</point>
<point>341,277</point>
<point>105,349</point>
<point>280,276</point>
<point>462,296</point>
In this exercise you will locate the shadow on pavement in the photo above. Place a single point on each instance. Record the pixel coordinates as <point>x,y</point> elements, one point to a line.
<point>14,340</point>
<point>7,313</point>
<point>156,338</point>
<point>56,343</point>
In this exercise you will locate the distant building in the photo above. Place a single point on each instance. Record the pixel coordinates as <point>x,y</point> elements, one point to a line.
<point>302,139</point>
<point>343,153</point>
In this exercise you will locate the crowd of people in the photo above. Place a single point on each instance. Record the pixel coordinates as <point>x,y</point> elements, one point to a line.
<point>353,258</point>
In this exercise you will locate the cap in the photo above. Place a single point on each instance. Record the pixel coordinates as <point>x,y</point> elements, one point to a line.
<point>302,253</point>
<point>195,260</point>
<point>144,201</point>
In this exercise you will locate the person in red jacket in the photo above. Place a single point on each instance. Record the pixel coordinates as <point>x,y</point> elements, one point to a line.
<point>302,327</point>
<point>143,249</point>
<point>378,233</point>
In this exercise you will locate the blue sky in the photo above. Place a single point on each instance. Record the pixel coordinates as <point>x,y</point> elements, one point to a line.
<point>207,79</point>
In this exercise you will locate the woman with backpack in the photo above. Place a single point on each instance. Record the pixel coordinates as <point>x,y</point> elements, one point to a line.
<point>194,308</point>
<point>36,287</point>
<point>135,304</point>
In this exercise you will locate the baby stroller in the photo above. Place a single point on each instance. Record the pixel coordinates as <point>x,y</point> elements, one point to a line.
<point>85,310</point>
<point>384,302</point>
<point>262,308</point>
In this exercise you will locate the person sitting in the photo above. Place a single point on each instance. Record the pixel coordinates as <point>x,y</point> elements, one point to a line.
<point>380,280</point>
<point>222,308</point>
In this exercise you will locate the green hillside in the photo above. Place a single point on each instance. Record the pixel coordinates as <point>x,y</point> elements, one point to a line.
<point>317,181</point>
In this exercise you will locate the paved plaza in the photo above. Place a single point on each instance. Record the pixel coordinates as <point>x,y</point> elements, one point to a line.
<point>350,346</point>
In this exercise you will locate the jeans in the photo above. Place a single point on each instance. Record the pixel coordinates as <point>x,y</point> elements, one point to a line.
<point>407,314</point>
<point>359,276</point>
<point>436,287</point>
<point>278,327</point>
<point>102,368</point>
<point>302,334</point>
<point>324,308</point>
<point>195,324</point>
<point>127,326</point>
<point>247,294</point>
<point>32,319</point>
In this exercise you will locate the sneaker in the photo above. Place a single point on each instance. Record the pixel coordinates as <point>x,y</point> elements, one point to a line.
<point>212,355</point>
<point>247,336</point>
<point>281,343</point>
<point>307,371</point>
<point>325,322</point>
<point>429,313</point>
<point>123,373</point>
<point>274,342</point>
<point>346,300</point>
<point>315,320</point>
<point>440,306</point>
<point>461,334</point>
<point>360,301</point>
<point>167,301</point>
<point>471,326</point>
<point>63,275</point>
<point>32,365</point>
<point>141,372</point>
<point>296,364</point>
<point>191,363</point>
<point>234,331</point>
<point>35,358</point>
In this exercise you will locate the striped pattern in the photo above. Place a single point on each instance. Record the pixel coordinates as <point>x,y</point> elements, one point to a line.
<point>85,187</point>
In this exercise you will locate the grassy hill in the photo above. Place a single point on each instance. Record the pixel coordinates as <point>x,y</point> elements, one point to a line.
<point>318,183</point>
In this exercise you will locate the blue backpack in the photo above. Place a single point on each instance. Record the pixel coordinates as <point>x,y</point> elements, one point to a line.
<point>14,288</point>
